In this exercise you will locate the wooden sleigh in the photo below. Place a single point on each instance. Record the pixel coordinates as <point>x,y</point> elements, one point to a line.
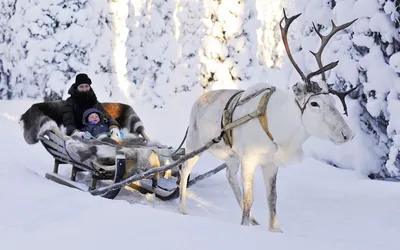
<point>98,177</point>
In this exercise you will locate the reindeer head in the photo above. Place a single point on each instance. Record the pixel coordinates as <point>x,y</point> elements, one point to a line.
<point>319,114</point>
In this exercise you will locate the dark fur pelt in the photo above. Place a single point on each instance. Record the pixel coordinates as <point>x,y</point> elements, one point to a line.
<point>38,115</point>
<point>50,113</point>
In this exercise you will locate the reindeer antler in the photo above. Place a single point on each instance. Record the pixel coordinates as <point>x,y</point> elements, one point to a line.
<point>284,32</point>
<point>318,57</point>
<point>342,95</point>
<point>324,42</point>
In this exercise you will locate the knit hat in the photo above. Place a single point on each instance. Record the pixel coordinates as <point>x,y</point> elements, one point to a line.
<point>82,78</point>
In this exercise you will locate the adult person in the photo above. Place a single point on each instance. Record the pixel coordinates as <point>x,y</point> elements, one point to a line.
<point>82,97</point>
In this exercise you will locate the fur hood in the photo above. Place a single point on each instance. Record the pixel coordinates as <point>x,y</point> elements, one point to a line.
<point>88,112</point>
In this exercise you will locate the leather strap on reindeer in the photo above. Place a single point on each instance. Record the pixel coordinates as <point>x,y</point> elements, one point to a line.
<point>227,124</point>
<point>262,107</point>
<point>227,117</point>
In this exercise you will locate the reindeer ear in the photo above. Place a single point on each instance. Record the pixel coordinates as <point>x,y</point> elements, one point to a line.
<point>299,90</point>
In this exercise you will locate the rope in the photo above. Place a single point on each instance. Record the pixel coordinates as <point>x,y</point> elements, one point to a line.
<point>180,146</point>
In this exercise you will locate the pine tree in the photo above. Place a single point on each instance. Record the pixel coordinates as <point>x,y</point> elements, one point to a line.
<point>240,35</point>
<point>270,48</point>
<point>134,50</point>
<point>7,10</point>
<point>387,39</point>
<point>229,48</point>
<point>159,51</point>
<point>367,55</point>
<point>187,74</point>
<point>46,43</point>
<point>213,49</point>
<point>46,48</point>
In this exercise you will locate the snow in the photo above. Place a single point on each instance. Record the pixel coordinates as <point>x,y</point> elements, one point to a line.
<point>381,23</point>
<point>366,8</point>
<point>319,206</point>
<point>395,62</point>
<point>367,55</point>
<point>159,56</point>
<point>149,52</point>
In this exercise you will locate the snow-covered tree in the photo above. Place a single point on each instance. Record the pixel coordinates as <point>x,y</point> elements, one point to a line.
<point>41,57</point>
<point>159,51</point>
<point>240,32</point>
<point>380,69</point>
<point>135,71</point>
<point>7,10</point>
<point>113,50</point>
<point>44,44</point>
<point>155,49</point>
<point>368,55</point>
<point>230,45</point>
<point>213,51</point>
<point>270,48</point>
<point>190,17</point>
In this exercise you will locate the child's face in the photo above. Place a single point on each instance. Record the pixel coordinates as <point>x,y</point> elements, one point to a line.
<point>93,117</point>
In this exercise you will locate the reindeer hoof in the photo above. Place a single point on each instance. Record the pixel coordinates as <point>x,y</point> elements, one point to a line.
<point>276,230</point>
<point>245,222</point>
<point>254,222</point>
<point>183,211</point>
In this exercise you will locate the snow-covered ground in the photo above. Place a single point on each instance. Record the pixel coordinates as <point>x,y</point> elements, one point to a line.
<point>319,207</point>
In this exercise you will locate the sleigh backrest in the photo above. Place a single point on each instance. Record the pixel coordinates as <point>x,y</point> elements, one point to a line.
<point>120,112</point>
<point>40,113</point>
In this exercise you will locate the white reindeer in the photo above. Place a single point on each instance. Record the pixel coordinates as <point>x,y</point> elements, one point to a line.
<point>276,137</point>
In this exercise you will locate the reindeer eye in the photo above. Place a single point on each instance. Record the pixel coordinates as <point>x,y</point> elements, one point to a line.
<point>314,104</point>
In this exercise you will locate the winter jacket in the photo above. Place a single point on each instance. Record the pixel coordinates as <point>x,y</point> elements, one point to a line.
<point>94,128</point>
<point>76,105</point>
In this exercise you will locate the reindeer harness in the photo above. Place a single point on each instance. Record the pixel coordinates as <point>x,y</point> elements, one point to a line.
<point>226,122</point>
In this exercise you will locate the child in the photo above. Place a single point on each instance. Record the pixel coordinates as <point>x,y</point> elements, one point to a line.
<point>94,122</point>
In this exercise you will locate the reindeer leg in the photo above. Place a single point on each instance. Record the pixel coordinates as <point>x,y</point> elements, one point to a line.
<point>184,174</point>
<point>231,175</point>
<point>248,169</point>
<point>270,173</point>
